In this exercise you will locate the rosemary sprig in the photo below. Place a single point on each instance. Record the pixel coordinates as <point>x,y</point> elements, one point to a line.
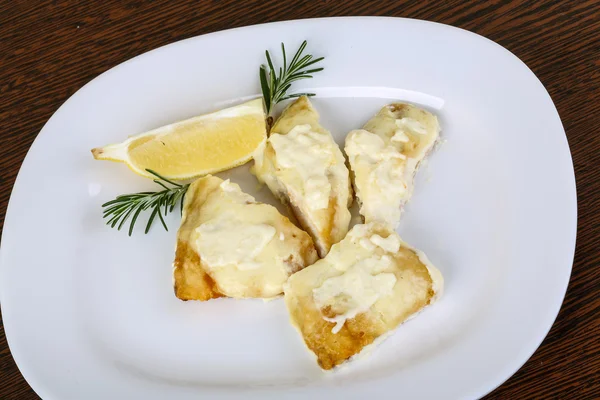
<point>119,210</point>
<point>275,86</point>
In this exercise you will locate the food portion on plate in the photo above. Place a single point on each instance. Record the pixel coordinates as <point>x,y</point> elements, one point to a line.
<point>384,157</point>
<point>304,167</point>
<point>230,245</point>
<point>367,282</point>
<point>197,146</point>
<point>366,286</point>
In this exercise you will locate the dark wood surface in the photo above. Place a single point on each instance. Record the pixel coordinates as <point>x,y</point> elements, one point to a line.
<point>50,48</point>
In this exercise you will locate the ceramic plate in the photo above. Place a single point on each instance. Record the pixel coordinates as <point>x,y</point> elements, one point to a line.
<point>90,312</point>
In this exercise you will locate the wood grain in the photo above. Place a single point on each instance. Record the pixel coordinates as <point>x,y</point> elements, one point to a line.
<point>49,49</point>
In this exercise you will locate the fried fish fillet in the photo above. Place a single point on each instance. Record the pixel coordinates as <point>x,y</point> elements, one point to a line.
<point>304,167</point>
<point>230,245</point>
<point>366,286</point>
<point>384,157</point>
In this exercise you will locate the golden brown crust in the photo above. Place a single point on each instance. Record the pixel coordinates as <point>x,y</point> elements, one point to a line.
<point>191,282</point>
<point>333,349</point>
<point>193,279</point>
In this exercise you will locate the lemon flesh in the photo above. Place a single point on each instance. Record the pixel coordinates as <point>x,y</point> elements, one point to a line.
<point>194,147</point>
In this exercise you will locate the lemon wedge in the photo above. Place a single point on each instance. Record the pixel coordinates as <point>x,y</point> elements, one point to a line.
<point>197,146</point>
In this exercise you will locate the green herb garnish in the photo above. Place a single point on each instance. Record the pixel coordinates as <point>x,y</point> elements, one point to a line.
<point>275,86</point>
<point>131,205</point>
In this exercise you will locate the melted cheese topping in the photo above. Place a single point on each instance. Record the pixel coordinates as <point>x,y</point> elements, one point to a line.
<point>411,125</point>
<point>227,241</point>
<point>379,173</point>
<point>355,291</point>
<point>306,157</point>
<point>366,276</point>
<point>229,244</point>
<point>385,161</point>
<point>235,194</point>
<point>391,244</point>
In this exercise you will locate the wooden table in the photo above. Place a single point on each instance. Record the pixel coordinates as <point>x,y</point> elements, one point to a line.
<point>49,49</point>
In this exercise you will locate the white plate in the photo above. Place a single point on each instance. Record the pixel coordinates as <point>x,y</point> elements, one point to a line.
<point>90,313</point>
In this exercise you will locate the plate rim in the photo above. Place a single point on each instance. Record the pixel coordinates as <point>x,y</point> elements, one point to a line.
<point>499,378</point>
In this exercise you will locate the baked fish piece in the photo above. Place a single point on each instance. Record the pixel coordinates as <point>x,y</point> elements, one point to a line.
<point>366,286</point>
<point>304,167</point>
<point>230,245</point>
<point>384,157</point>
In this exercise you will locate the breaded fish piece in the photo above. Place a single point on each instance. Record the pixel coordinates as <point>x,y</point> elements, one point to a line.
<point>230,245</point>
<point>304,167</point>
<point>384,157</point>
<point>368,284</point>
